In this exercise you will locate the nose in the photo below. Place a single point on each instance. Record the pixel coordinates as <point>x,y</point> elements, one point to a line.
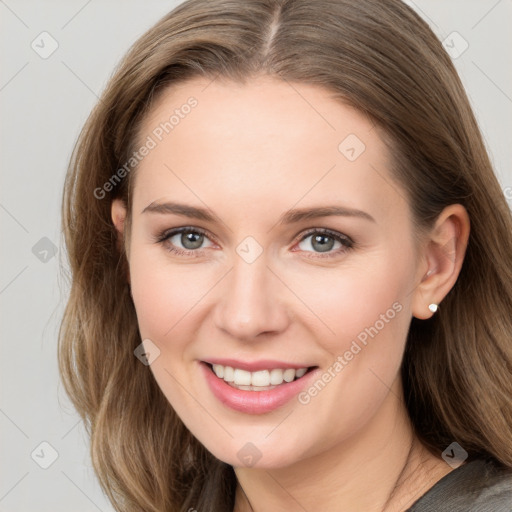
<point>251,302</point>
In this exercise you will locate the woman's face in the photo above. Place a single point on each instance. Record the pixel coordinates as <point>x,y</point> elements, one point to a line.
<point>263,274</point>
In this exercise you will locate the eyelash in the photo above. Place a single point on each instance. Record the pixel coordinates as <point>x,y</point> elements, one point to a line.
<point>346,241</point>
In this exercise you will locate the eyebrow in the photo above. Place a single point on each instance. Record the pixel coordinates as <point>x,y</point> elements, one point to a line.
<point>289,217</point>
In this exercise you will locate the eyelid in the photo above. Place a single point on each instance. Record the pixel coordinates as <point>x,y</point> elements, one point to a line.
<point>345,240</point>
<point>168,233</point>
<point>326,231</point>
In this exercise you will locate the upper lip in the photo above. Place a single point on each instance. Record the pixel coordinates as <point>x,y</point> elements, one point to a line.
<point>254,366</point>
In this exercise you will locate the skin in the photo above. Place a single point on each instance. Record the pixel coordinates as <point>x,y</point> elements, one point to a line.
<point>249,153</point>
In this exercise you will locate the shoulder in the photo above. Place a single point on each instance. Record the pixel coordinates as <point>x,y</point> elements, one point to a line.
<point>477,486</point>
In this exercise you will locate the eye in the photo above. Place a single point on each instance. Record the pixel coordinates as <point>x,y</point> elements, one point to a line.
<point>322,241</point>
<point>184,241</point>
<point>188,241</point>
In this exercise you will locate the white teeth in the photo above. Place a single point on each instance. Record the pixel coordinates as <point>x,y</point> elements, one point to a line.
<point>276,376</point>
<point>252,388</point>
<point>242,377</point>
<point>289,374</point>
<point>229,374</point>
<point>219,370</point>
<point>300,372</point>
<point>260,379</point>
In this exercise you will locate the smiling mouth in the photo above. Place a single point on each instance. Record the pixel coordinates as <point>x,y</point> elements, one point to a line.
<point>263,380</point>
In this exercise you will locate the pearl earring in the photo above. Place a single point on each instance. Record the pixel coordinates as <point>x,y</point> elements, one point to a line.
<point>432,307</point>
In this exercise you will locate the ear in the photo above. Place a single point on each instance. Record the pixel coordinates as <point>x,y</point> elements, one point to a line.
<point>118,214</point>
<point>443,255</point>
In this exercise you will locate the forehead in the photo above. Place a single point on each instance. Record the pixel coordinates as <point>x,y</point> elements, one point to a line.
<point>265,142</point>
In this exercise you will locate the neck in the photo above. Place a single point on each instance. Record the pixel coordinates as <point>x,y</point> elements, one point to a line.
<point>382,468</point>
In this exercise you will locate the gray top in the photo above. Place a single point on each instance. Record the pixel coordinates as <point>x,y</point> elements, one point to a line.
<point>476,486</point>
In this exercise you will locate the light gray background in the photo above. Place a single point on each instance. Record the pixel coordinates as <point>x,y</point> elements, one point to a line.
<point>44,103</point>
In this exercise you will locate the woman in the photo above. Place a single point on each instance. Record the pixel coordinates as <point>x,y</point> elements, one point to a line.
<point>291,269</point>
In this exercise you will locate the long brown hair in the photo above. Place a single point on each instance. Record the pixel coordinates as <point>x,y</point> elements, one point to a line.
<point>383,59</point>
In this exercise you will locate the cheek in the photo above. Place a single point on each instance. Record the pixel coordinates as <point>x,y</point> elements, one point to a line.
<point>359,302</point>
<point>162,294</point>
<point>363,319</point>
<point>364,322</point>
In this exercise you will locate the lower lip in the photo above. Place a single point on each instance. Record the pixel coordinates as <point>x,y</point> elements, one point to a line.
<point>255,402</point>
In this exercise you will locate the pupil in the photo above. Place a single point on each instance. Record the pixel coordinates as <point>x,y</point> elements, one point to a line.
<point>323,247</point>
<point>191,240</point>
